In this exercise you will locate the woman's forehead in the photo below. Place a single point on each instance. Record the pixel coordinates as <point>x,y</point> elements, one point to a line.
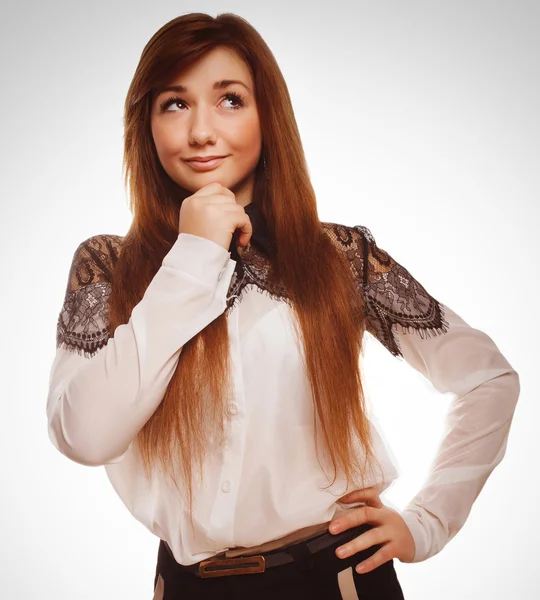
<point>220,63</point>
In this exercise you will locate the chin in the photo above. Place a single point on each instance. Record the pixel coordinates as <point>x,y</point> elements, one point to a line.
<point>195,181</point>
<point>201,179</point>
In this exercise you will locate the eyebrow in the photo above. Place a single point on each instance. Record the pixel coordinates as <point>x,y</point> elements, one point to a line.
<point>218,85</point>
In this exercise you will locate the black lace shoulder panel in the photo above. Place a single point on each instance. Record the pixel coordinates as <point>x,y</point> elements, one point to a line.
<point>83,322</point>
<point>391,294</point>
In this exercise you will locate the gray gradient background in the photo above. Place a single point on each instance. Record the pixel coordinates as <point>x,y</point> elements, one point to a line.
<point>419,120</point>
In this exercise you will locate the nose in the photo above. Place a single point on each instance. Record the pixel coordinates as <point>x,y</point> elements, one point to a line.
<point>201,129</point>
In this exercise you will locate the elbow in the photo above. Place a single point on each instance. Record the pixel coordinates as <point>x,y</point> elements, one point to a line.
<point>508,392</point>
<point>506,383</point>
<point>79,430</point>
<point>75,452</point>
<point>515,385</point>
<point>506,388</point>
<point>89,456</point>
<point>76,444</point>
<point>516,377</point>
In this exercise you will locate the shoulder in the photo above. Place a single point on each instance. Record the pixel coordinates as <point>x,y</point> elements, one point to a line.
<point>103,244</point>
<point>348,235</point>
<point>93,260</point>
<point>103,249</point>
<point>358,244</point>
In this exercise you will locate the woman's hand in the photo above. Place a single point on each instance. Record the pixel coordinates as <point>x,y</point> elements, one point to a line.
<point>391,531</point>
<point>213,213</point>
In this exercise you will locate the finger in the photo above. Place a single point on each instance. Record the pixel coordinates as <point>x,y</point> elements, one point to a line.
<point>369,495</point>
<point>209,188</point>
<point>380,557</point>
<point>214,188</point>
<point>355,517</point>
<point>366,540</point>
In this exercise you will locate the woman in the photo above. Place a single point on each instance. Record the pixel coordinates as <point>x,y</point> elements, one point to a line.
<point>209,359</point>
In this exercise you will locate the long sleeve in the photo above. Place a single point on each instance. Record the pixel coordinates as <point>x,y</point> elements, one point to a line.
<point>456,358</point>
<point>103,389</point>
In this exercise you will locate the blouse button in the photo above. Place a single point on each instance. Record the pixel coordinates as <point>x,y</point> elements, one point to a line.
<point>233,408</point>
<point>226,486</point>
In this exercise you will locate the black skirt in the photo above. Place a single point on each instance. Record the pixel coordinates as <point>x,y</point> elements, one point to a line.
<point>319,575</point>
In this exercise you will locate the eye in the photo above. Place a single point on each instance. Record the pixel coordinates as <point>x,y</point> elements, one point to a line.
<point>231,96</point>
<point>236,98</point>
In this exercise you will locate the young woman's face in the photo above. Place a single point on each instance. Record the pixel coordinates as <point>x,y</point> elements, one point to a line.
<point>209,116</point>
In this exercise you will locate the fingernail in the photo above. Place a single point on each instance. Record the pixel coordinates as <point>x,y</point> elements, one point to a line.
<point>360,568</point>
<point>334,528</point>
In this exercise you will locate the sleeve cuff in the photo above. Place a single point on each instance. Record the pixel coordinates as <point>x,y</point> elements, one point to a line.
<point>426,531</point>
<point>197,256</point>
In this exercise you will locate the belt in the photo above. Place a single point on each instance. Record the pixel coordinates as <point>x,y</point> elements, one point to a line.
<point>243,565</point>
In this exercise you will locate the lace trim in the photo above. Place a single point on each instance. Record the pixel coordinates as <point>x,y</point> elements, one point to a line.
<point>83,322</point>
<point>393,297</point>
<point>254,271</point>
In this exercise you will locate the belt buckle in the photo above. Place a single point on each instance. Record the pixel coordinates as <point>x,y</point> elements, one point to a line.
<point>232,566</point>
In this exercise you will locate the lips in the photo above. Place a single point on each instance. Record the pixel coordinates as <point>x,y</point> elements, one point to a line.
<point>206,164</point>
<point>204,158</point>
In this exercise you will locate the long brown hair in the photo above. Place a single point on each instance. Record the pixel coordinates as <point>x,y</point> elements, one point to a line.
<point>318,278</point>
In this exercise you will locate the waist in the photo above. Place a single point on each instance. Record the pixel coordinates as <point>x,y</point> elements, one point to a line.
<point>253,560</point>
<point>296,536</point>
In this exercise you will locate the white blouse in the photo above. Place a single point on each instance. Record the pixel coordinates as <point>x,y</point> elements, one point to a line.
<point>266,482</point>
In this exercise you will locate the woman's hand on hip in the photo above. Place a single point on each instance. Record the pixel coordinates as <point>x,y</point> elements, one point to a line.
<point>390,531</point>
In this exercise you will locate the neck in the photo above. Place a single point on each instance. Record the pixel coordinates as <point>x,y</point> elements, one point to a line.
<point>243,190</point>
